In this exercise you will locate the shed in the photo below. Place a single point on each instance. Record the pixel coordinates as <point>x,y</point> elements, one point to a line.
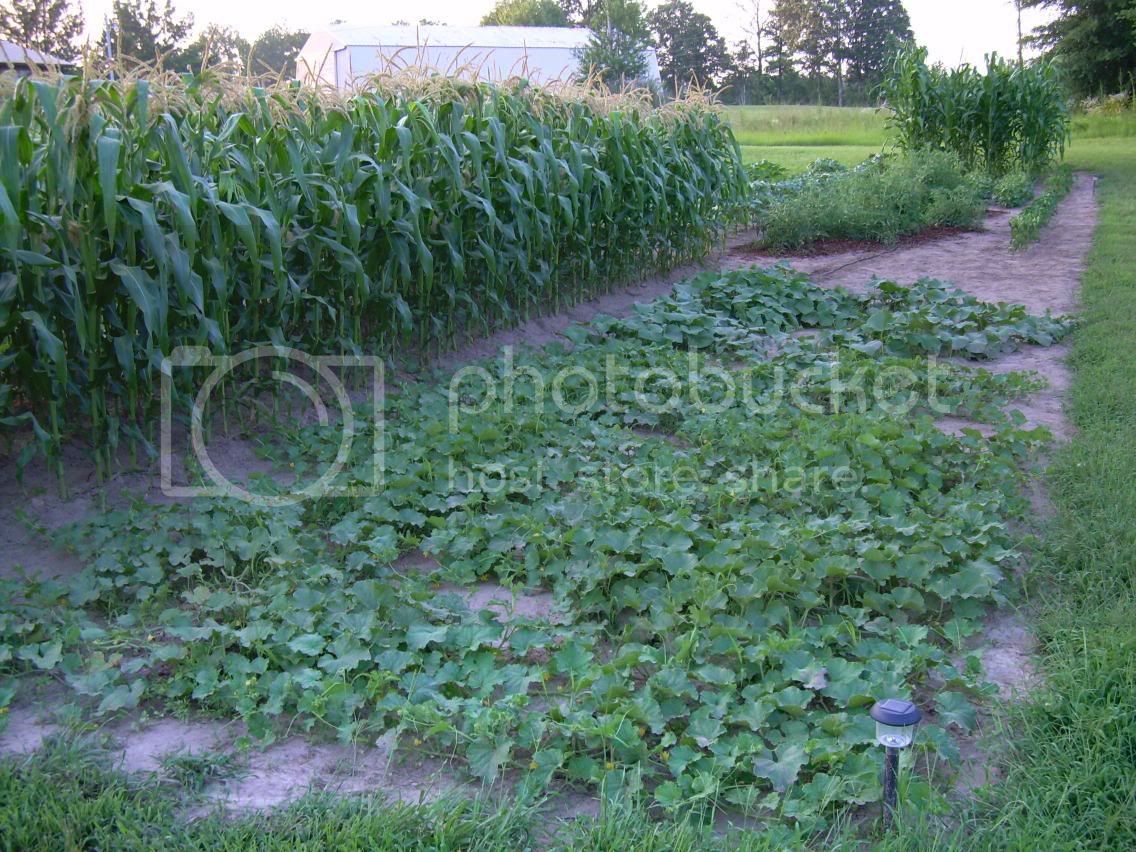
<point>341,56</point>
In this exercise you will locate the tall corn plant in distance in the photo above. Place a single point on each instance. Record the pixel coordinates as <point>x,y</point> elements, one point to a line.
<point>139,216</point>
<point>1010,117</point>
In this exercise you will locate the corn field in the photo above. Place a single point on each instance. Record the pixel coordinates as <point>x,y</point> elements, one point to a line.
<point>136,217</point>
<point>1009,118</point>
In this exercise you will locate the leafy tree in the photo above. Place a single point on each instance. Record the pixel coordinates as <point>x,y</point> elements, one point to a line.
<point>877,29</point>
<point>275,51</point>
<point>618,43</point>
<point>689,46</point>
<point>1093,40</point>
<point>580,12</point>
<point>804,33</point>
<point>147,30</point>
<point>526,13</point>
<point>216,45</point>
<point>49,26</point>
<point>845,39</point>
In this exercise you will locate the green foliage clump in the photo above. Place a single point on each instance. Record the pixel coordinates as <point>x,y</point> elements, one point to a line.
<point>880,201</point>
<point>1013,189</point>
<point>136,218</point>
<point>1008,118</point>
<point>525,13</point>
<point>1026,227</point>
<point>735,576</point>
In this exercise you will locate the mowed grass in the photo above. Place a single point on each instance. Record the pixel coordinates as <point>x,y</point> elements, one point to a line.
<point>1072,779</point>
<point>798,158</point>
<point>808,126</point>
<point>795,136</point>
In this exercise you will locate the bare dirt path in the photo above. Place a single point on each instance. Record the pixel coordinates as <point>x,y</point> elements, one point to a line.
<point>1045,276</point>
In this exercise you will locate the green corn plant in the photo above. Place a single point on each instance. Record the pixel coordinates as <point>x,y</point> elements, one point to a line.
<point>1007,118</point>
<point>139,216</point>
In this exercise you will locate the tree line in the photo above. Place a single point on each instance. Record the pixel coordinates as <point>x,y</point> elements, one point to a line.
<point>150,32</point>
<point>795,51</point>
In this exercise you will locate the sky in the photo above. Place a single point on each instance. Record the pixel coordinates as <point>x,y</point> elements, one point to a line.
<point>953,30</point>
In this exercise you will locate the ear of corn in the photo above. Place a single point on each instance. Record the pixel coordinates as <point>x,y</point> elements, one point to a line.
<point>135,218</point>
<point>1010,117</point>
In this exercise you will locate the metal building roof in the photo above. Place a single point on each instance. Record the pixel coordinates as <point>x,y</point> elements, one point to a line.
<point>14,54</point>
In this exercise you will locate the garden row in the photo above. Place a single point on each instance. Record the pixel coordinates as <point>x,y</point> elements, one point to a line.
<point>136,217</point>
<point>748,535</point>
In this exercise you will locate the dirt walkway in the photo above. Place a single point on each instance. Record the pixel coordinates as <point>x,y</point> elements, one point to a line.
<point>1046,276</point>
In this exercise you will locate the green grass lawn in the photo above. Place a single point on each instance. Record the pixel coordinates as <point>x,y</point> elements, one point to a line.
<point>797,158</point>
<point>808,126</point>
<point>795,136</point>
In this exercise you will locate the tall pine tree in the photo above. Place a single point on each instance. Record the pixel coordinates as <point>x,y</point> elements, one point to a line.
<point>877,30</point>
<point>620,37</point>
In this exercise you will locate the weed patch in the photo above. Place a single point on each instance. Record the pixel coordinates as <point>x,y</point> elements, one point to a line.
<point>880,200</point>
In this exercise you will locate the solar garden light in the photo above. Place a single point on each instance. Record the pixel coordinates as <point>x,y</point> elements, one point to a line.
<point>895,729</point>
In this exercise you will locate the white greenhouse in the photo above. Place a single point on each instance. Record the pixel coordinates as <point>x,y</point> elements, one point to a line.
<point>342,56</point>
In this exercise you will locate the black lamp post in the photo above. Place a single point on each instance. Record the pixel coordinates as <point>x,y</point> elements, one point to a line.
<point>895,729</point>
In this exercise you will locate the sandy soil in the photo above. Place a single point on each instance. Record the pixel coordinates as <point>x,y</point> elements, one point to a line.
<point>1045,276</point>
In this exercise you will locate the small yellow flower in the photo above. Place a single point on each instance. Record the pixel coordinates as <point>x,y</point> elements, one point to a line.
<point>609,765</point>
<point>665,755</point>
<point>532,764</point>
<point>417,741</point>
